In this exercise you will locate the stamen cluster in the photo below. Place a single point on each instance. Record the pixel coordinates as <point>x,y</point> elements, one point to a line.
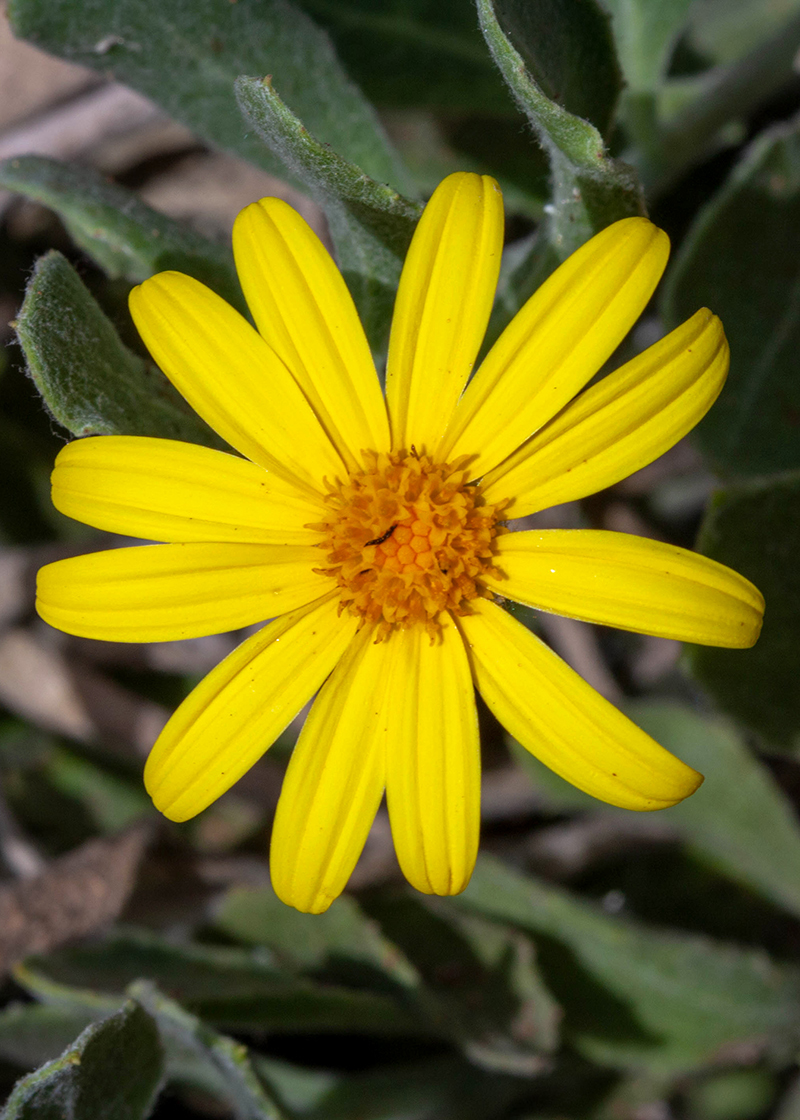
<point>409,538</point>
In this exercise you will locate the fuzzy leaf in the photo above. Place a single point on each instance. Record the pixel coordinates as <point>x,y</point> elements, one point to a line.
<point>90,1080</point>
<point>590,189</point>
<point>233,988</point>
<point>635,996</point>
<point>569,52</point>
<point>186,55</point>
<point>90,381</point>
<point>121,233</point>
<point>371,224</point>
<point>198,1056</point>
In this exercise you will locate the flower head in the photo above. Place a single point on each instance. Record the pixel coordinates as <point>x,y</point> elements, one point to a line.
<point>372,531</point>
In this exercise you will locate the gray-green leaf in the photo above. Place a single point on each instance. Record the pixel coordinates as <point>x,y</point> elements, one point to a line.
<point>663,1000</point>
<point>590,189</point>
<point>738,822</point>
<point>755,528</point>
<point>112,1070</point>
<point>236,989</point>
<point>186,56</point>
<point>371,224</point>
<point>121,233</point>
<point>741,258</point>
<point>198,1056</point>
<point>568,50</point>
<point>90,381</point>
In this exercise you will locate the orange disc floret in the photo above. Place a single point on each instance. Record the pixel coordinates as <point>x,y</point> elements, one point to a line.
<point>409,538</point>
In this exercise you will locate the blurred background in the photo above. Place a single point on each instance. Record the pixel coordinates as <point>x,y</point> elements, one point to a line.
<point>610,965</point>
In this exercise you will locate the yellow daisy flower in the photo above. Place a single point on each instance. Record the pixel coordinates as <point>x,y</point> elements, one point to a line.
<point>371,531</point>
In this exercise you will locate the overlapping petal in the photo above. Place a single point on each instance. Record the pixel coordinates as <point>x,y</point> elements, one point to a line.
<point>224,726</point>
<point>232,378</point>
<point>557,342</point>
<point>629,582</point>
<point>443,305</point>
<point>303,309</point>
<point>562,720</point>
<point>433,762</point>
<point>165,490</point>
<point>336,776</point>
<point>620,424</point>
<point>166,592</point>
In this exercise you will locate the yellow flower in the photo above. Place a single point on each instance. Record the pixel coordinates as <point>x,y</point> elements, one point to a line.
<point>371,531</point>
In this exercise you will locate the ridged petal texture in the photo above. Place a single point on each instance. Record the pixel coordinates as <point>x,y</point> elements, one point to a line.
<point>620,424</point>
<point>443,305</point>
<point>232,378</point>
<point>303,309</point>
<point>167,592</point>
<point>630,582</point>
<point>336,776</point>
<point>240,708</point>
<point>557,342</point>
<point>555,715</point>
<point>434,763</point>
<point>164,490</point>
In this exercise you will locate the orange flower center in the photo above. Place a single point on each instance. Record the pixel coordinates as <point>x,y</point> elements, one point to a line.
<point>409,538</point>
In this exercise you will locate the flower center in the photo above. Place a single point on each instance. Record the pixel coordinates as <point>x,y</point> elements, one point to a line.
<point>409,538</point>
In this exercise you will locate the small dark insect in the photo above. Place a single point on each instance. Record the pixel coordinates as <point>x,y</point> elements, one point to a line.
<point>385,537</point>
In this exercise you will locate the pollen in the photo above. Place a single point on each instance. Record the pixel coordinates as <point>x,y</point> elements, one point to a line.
<point>409,538</point>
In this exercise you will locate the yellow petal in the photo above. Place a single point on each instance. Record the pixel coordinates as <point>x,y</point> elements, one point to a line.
<point>557,717</point>
<point>443,305</point>
<point>164,490</point>
<point>629,582</point>
<point>166,592</point>
<point>336,777</point>
<point>229,375</point>
<point>224,726</point>
<point>433,762</point>
<point>557,342</point>
<point>303,309</point>
<point>619,425</point>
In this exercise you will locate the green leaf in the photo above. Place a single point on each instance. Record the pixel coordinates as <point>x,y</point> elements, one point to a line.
<point>90,381</point>
<point>741,258</point>
<point>113,1070</point>
<point>590,189</point>
<point>236,989</point>
<point>408,54</point>
<point>34,1033</point>
<point>568,50</point>
<point>481,986</point>
<point>197,1055</point>
<point>121,233</point>
<point>635,996</point>
<point>724,30</point>
<point>645,32</point>
<point>112,802</point>
<point>755,528</point>
<point>440,1088</point>
<point>709,111</point>
<point>187,54</point>
<point>371,224</point>
<point>739,821</point>
<point>304,941</point>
